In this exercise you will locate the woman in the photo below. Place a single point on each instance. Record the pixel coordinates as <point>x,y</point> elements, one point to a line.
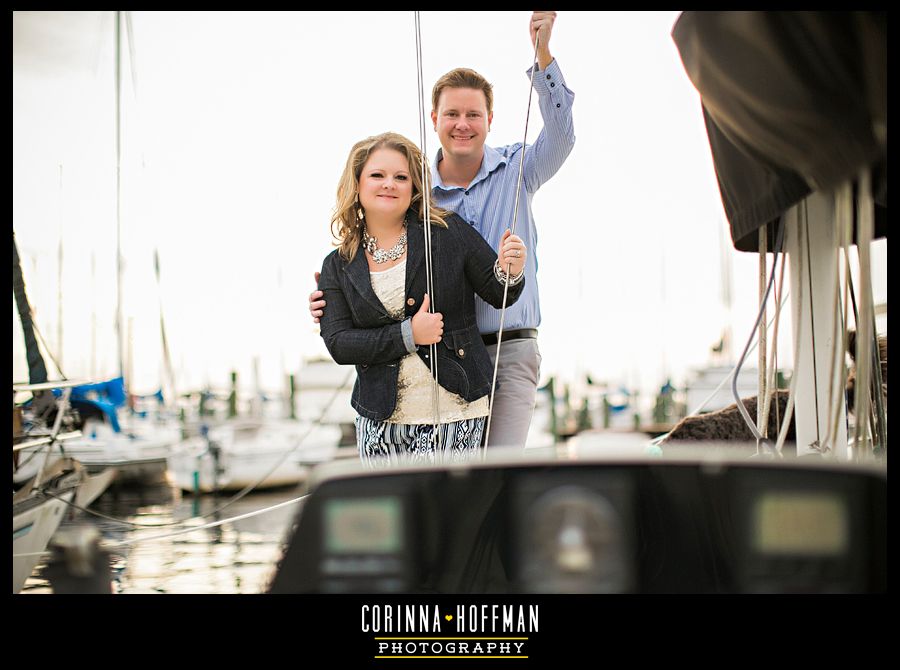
<point>378,311</point>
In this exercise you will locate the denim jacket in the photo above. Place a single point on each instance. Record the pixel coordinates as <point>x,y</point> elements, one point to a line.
<point>358,330</point>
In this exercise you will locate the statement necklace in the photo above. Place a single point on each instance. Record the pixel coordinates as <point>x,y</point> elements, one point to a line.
<point>380,255</point>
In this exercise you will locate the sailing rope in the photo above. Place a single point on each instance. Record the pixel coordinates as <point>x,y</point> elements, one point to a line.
<point>797,324</point>
<point>865,333</point>
<point>426,213</point>
<point>837,377</point>
<point>760,440</point>
<point>762,417</point>
<point>771,388</point>
<point>213,524</point>
<point>534,67</point>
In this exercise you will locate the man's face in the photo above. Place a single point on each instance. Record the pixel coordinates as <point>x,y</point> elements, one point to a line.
<point>462,122</point>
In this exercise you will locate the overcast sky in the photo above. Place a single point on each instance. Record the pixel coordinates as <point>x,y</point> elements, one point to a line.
<point>235,129</point>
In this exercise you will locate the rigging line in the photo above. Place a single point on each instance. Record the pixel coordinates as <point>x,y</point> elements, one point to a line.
<point>61,406</point>
<point>762,390</point>
<point>773,357</point>
<point>699,408</point>
<point>138,540</point>
<point>534,67</point>
<point>865,333</point>
<point>426,212</point>
<point>240,517</point>
<point>877,388</point>
<point>797,324</point>
<point>812,322</point>
<point>779,290</point>
<point>878,422</point>
<point>47,349</point>
<point>740,405</point>
<point>842,223</point>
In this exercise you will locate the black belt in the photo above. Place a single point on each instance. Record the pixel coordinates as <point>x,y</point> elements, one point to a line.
<point>520,334</point>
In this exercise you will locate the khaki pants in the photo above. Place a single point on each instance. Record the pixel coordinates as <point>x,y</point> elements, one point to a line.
<point>517,380</point>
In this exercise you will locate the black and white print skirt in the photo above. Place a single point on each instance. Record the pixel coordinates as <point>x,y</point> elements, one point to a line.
<point>382,444</point>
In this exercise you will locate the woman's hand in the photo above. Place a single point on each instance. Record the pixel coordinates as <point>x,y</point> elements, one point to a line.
<point>512,254</point>
<point>427,328</point>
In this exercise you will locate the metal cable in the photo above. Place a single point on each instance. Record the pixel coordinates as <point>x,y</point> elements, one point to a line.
<point>740,405</point>
<point>426,211</point>
<point>534,67</point>
<point>122,543</point>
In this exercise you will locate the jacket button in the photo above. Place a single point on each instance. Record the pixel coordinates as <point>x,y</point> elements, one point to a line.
<point>462,353</point>
<point>411,301</point>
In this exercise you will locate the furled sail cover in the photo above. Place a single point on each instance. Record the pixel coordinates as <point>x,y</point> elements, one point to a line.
<point>794,102</point>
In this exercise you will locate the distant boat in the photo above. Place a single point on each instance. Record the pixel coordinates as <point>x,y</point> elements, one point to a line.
<point>243,452</point>
<point>707,387</point>
<point>137,449</point>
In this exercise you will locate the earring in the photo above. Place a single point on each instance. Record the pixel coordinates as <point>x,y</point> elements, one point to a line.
<point>360,215</point>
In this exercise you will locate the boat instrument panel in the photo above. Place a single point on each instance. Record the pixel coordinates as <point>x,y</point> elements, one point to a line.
<point>607,526</point>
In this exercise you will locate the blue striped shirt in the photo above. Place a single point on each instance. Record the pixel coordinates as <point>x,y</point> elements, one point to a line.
<point>488,202</point>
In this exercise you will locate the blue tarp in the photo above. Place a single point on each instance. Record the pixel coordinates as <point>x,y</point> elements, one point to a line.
<point>106,396</point>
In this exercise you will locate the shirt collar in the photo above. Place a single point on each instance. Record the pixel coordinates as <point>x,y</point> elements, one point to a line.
<point>491,161</point>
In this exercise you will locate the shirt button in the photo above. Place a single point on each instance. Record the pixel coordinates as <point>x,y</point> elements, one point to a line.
<point>411,301</point>
<point>548,76</point>
<point>557,105</point>
<point>467,193</point>
<point>552,84</point>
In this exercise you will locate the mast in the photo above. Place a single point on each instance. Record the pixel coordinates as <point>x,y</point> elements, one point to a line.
<point>93,315</point>
<point>120,330</point>
<point>59,277</point>
<point>167,358</point>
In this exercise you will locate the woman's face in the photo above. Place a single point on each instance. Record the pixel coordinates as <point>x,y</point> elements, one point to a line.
<point>385,185</point>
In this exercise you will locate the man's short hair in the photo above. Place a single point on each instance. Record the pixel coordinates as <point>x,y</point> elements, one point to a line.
<point>463,77</point>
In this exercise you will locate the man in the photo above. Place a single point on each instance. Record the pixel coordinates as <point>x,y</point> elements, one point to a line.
<point>479,183</point>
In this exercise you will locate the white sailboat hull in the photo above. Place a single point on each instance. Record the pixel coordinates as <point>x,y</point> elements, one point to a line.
<point>264,454</point>
<point>137,457</point>
<point>33,527</point>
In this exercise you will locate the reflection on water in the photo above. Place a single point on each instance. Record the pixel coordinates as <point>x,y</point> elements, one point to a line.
<point>235,557</point>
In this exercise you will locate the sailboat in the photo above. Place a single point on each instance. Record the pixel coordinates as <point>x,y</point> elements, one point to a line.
<point>46,480</point>
<point>267,452</point>
<point>250,452</point>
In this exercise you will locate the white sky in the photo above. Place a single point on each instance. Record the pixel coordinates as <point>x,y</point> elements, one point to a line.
<point>236,127</point>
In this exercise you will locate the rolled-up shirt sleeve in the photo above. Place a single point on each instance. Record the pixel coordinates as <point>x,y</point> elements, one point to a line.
<point>407,332</point>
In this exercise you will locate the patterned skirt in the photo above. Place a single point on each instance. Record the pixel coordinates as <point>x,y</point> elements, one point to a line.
<point>382,444</point>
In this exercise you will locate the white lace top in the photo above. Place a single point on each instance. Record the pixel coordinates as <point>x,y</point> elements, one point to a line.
<point>415,383</point>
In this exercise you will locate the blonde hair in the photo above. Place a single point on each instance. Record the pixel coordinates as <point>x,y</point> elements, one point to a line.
<point>346,226</point>
<point>463,77</point>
